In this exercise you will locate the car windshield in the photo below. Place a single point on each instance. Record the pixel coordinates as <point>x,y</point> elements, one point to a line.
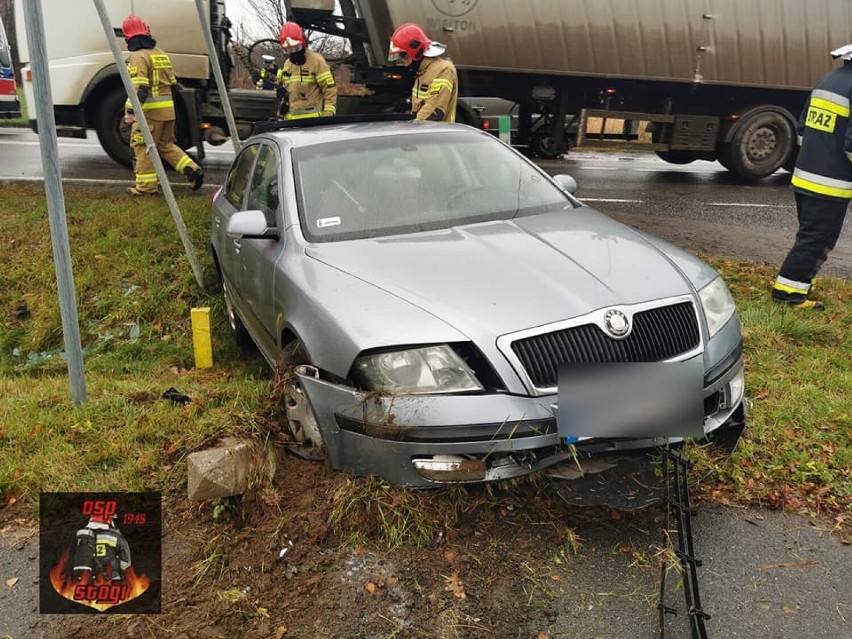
<point>387,185</point>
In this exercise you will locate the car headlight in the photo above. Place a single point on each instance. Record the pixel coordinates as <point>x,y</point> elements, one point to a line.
<point>432,369</point>
<point>718,304</point>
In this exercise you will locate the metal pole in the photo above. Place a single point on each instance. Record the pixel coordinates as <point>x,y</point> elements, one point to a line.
<point>149,142</point>
<point>204,17</point>
<point>55,199</point>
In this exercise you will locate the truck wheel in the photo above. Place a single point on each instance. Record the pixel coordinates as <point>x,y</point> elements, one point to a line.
<point>113,133</point>
<point>543,145</point>
<point>760,145</point>
<point>301,422</point>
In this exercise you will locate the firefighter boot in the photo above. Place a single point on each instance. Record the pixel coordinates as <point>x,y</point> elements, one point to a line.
<point>195,176</point>
<point>796,300</point>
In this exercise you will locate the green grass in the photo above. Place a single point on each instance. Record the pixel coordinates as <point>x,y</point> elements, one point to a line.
<point>23,120</point>
<point>131,275</point>
<point>134,294</point>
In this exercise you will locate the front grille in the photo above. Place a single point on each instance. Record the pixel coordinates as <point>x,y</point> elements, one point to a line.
<point>658,334</point>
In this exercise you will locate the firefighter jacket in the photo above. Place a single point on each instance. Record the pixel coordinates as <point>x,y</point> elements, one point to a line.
<point>824,166</point>
<point>435,90</point>
<point>101,550</point>
<point>152,75</point>
<point>311,91</point>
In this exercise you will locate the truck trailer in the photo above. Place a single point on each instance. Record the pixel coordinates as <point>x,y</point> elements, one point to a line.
<point>715,79</point>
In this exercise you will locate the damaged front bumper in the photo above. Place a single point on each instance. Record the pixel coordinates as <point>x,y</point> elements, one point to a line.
<point>424,440</point>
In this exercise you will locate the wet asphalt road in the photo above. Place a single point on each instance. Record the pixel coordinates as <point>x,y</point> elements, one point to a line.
<point>766,574</point>
<point>697,206</point>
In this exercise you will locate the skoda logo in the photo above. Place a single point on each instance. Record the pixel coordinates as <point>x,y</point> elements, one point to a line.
<point>616,323</point>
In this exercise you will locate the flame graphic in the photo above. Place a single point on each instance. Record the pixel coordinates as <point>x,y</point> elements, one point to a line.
<point>65,584</point>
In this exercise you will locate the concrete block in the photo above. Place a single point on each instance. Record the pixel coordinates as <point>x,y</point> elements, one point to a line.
<point>219,472</point>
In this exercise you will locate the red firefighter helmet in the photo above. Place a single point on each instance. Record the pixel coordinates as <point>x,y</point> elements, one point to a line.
<point>408,41</point>
<point>292,38</point>
<point>134,26</point>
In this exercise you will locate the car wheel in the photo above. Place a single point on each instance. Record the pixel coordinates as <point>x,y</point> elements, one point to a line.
<point>761,144</point>
<point>241,334</point>
<point>301,422</point>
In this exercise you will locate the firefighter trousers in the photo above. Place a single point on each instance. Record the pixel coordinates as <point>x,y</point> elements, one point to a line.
<point>820,223</point>
<point>163,132</point>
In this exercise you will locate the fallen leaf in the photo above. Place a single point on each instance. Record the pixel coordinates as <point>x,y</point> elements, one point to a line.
<point>393,580</point>
<point>626,550</point>
<point>788,610</point>
<point>381,581</point>
<point>455,585</point>
<point>615,515</point>
<point>543,635</point>
<point>555,577</point>
<point>449,556</point>
<point>280,631</point>
<point>371,587</point>
<point>10,501</point>
<point>11,582</point>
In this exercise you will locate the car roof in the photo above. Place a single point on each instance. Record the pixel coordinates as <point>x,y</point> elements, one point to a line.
<point>298,137</point>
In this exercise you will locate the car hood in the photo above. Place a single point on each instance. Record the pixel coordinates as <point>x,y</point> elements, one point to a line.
<point>499,277</point>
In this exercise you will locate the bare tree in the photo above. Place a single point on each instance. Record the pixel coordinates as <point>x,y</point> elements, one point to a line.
<point>269,14</point>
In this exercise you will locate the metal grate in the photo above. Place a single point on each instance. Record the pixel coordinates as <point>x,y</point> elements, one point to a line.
<point>658,334</point>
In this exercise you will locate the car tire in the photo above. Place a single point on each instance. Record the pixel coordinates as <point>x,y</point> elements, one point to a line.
<point>298,416</point>
<point>761,143</point>
<point>113,133</point>
<point>241,334</point>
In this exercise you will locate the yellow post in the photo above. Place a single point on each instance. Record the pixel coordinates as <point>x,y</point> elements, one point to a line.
<point>201,337</point>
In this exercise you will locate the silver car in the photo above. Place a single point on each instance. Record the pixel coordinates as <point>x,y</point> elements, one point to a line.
<point>423,286</point>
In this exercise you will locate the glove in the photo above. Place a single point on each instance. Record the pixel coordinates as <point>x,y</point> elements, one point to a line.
<point>280,92</point>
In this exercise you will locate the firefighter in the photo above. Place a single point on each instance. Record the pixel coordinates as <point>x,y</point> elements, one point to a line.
<point>268,75</point>
<point>100,550</point>
<point>305,79</point>
<point>822,182</point>
<point>151,73</point>
<point>435,91</point>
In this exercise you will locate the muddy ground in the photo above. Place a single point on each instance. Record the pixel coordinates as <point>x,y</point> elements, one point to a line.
<point>518,563</point>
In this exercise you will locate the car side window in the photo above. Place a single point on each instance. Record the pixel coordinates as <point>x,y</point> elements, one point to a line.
<point>235,184</point>
<point>263,192</point>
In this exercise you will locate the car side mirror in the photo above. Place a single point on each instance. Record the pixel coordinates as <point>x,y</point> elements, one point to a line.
<point>250,225</point>
<point>566,183</point>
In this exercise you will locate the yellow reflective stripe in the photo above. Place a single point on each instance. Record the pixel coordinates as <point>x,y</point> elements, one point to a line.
<point>302,116</point>
<point>440,83</point>
<point>161,61</point>
<point>831,107</point>
<point>305,80</point>
<point>159,104</point>
<point>420,94</point>
<point>146,178</point>
<point>824,189</point>
<point>790,289</point>
<point>330,108</point>
<point>324,76</point>
<point>142,81</point>
<point>184,162</point>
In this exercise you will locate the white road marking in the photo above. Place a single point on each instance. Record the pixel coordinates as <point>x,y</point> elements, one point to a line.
<point>751,205</point>
<point>614,200</point>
